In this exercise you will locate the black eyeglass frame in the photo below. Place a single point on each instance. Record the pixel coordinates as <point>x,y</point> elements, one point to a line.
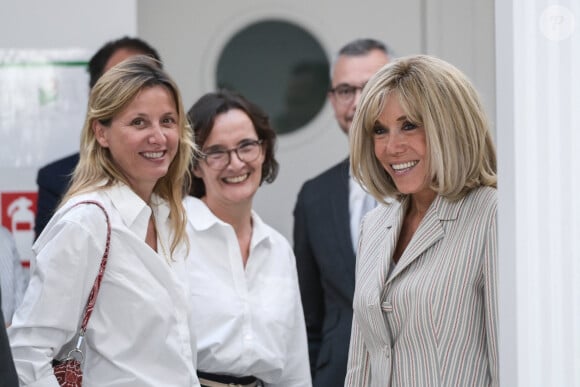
<point>348,88</point>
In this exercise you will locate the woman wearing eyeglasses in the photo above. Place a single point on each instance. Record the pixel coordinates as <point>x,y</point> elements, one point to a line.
<point>250,329</point>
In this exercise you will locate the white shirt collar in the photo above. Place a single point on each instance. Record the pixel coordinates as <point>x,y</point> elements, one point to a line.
<point>134,211</point>
<point>201,218</point>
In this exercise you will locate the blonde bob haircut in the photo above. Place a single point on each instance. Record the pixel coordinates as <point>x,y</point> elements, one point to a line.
<point>436,95</point>
<point>110,95</point>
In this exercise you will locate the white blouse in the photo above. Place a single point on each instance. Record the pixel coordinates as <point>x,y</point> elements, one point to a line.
<point>250,321</point>
<point>140,332</point>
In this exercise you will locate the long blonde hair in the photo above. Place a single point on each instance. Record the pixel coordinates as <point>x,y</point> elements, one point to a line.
<point>110,95</point>
<point>436,95</point>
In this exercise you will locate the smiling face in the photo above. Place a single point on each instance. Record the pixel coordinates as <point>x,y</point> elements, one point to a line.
<point>401,148</point>
<point>238,181</point>
<point>143,138</point>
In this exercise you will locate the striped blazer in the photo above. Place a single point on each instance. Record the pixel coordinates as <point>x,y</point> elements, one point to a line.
<point>432,321</point>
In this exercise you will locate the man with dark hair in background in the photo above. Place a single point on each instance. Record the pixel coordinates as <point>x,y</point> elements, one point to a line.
<point>326,221</point>
<point>53,178</point>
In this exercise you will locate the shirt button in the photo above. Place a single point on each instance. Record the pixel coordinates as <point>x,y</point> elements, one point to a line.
<point>248,336</point>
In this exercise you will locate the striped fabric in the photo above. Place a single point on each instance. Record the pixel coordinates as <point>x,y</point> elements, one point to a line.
<point>433,322</point>
<point>13,278</point>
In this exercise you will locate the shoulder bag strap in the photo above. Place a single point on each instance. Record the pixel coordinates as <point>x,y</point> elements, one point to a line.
<point>95,290</point>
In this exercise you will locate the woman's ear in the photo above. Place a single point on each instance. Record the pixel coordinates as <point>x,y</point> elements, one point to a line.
<point>100,133</point>
<point>196,170</point>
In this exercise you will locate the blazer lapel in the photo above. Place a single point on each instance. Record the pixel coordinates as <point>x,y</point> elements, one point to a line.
<point>393,229</point>
<point>430,231</point>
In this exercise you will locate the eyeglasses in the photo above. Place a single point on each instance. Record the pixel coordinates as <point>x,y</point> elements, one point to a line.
<point>345,93</point>
<point>247,151</point>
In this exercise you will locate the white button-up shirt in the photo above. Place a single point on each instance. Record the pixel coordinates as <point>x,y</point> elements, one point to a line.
<point>249,321</point>
<point>359,203</point>
<point>140,332</point>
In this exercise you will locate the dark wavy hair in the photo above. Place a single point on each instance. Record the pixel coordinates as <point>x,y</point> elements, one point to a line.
<point>202,116</point>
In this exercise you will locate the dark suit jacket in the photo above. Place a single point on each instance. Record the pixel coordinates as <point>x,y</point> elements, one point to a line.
<point>52,180</point>
<point>7,371</point>
<point>325,260</point>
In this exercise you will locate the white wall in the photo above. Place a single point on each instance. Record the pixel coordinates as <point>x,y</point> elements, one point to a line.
<point>538,134</point>
<point>462,32</point>
<point>65,23</point>
<point>59,24</point>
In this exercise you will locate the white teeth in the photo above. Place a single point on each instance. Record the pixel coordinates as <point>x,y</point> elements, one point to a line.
<point>152,155</point>
<point>237,179</point>
<point>409,164</point>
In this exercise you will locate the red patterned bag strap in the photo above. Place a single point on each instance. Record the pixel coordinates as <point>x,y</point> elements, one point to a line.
<point>95,290</point>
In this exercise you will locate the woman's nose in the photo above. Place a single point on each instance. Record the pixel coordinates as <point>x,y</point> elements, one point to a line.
<point>396,143</point>
<point>157,135</point>
<point>235,158</point>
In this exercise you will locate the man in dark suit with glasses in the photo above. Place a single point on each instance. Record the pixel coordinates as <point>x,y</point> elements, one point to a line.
<point>326,220</point>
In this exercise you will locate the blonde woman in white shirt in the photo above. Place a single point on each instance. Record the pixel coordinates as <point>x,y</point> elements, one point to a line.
<point>135,151</point>
<point>250,326</point>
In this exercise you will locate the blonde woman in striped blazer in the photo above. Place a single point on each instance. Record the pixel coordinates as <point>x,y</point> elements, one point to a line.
<point>425,304</point>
